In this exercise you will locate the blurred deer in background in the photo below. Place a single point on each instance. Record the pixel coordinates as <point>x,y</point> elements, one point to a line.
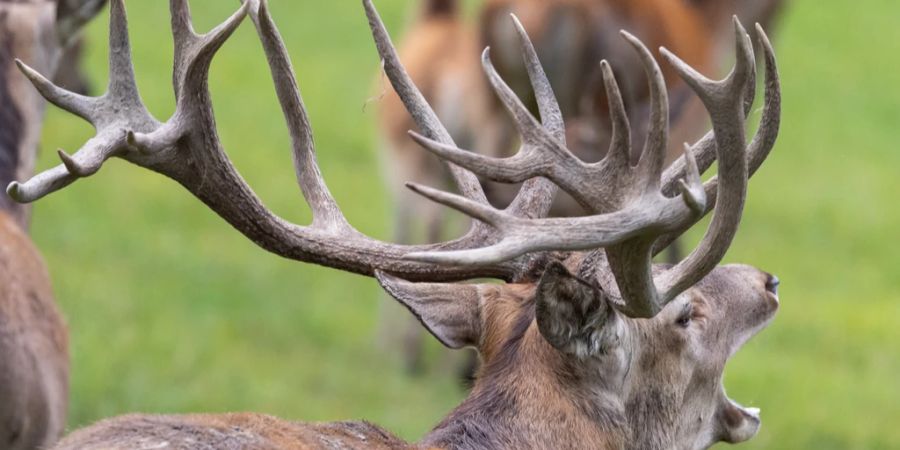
<point>570,37</point>
<point>589,344</point>
<point>34,359</point>
<point>440,51</point>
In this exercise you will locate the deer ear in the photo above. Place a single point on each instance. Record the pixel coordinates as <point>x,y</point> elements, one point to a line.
<point>450,312</point>
<point>571,314</point>
<point>736,423</point>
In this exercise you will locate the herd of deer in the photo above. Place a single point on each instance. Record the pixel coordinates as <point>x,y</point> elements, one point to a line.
<point>587,344</point>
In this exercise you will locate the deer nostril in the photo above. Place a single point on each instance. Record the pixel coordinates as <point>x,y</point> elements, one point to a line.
<point>772,284</point>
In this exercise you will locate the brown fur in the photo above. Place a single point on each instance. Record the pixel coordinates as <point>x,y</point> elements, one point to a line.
<point>228,432</point>
<point>34,358</point>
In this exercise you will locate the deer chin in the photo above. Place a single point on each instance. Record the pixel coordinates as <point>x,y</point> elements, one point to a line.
<point>737,423</point>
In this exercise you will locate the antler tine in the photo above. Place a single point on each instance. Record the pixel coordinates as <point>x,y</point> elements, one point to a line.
<point>485,213</point>
<point>540,155</point>
<point>416,105</point>
<point>182,23</point>
<point>193,52</point>
<point>536,195</point>
<point>653,155</point>
<point>704,150</point>
<point>619,153</point>
<point>764,140</point>
<point>326,213</point>
<point>122,86</point>
<point>548,107</point>
<point>40,185</point>
<point>759,148</point>
<point>79,105</point>
<point>728,124</point>
<point>515,169</point>
<point>543,153</point>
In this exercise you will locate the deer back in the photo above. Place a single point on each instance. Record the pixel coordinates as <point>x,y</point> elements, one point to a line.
<point>229,432</point>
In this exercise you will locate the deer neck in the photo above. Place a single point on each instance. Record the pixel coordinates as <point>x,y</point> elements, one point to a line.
<point>529,396</point>
<point>24,34</point>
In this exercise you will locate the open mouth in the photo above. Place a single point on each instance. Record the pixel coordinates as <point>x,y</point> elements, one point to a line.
<point>742,422</point>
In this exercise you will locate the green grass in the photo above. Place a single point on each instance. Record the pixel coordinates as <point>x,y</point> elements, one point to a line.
<point>173,311</point>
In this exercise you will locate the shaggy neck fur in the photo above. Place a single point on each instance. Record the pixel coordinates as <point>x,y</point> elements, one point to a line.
<point>531,396</point>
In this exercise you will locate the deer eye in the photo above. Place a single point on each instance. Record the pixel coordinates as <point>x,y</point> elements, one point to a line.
<point>684,318</point>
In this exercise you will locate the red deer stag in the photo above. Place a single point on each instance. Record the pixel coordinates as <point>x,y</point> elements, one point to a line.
<point>34,358</point>
<point>570,37</point>
<point>588,345</point>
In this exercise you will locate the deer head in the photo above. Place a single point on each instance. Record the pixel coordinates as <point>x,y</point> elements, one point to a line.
<point>588,344</point>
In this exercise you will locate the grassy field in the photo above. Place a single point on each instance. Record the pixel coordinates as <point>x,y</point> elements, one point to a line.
<point>173,311</point>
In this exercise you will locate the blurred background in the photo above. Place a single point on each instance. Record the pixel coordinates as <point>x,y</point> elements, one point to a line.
<point>171,310</point>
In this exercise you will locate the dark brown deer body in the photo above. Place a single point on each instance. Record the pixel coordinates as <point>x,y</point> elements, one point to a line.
<point>34,358</point>
<point>588,345</point>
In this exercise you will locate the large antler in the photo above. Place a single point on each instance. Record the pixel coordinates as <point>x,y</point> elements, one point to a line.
<point>636,208</point>
<point>187,149</point>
